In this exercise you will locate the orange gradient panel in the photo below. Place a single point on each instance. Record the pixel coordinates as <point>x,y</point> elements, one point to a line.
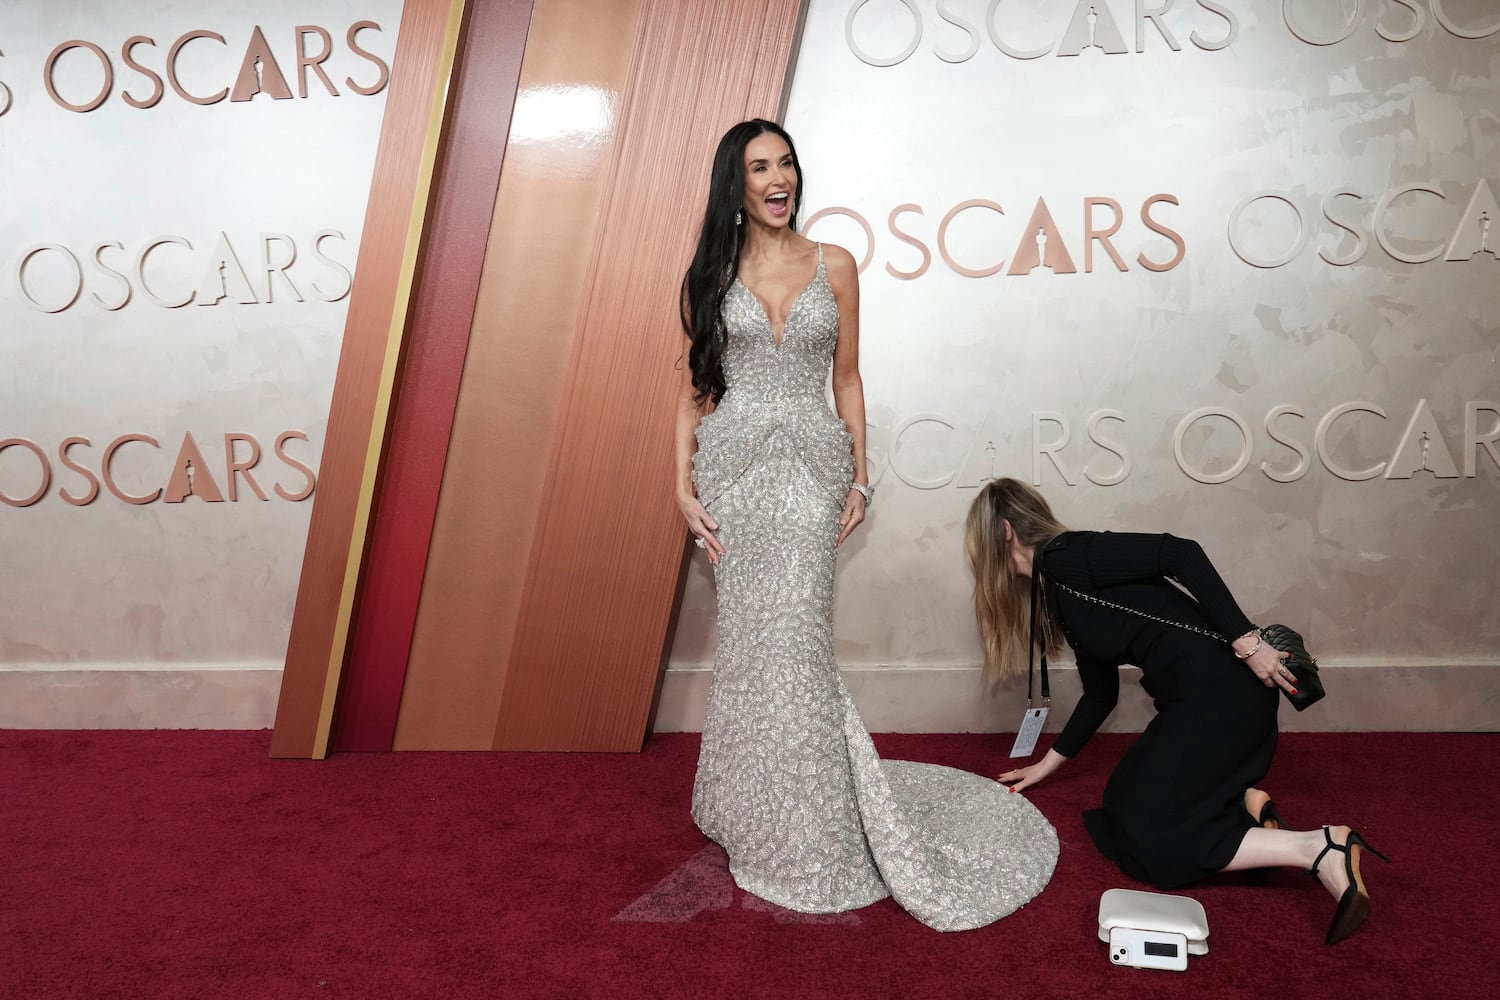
<point>536,272</point>
<point>608,542</point>
<point>557,550</point>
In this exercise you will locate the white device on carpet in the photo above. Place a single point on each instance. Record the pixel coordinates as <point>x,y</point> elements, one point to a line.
<point>1152,930</point>
<point>1148,949</point>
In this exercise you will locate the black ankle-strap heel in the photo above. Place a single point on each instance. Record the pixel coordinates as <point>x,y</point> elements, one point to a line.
<point>1268,816</point>
<point>1354,904</point>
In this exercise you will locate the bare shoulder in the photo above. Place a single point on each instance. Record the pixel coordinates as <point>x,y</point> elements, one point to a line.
<point>843,272</point>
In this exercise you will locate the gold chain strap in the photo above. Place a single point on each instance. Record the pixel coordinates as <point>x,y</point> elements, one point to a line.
<point>1120,607</point>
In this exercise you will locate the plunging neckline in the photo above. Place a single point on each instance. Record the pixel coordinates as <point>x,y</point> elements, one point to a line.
<point>776,341</point>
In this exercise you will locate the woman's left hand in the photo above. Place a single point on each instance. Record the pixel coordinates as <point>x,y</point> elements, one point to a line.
<point>854,513</point>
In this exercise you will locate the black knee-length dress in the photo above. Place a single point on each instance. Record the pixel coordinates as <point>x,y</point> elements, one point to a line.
<point>1173,808</point>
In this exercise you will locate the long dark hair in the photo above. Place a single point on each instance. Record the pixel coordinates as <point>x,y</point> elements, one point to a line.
<point>716,261</point>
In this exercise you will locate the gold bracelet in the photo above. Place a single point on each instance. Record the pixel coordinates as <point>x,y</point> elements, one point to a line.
<point>1253,649</point>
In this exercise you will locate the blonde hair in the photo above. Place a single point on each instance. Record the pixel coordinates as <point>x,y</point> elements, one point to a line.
<point>1002,596</point>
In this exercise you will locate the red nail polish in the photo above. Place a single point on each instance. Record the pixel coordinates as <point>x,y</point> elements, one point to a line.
<point>1294,690</point>
<point>1012,787</point>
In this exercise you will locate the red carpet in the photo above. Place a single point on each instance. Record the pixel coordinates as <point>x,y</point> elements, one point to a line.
<point>188,864</point>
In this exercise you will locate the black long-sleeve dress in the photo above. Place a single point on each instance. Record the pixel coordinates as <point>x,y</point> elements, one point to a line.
<point>1173,808</point>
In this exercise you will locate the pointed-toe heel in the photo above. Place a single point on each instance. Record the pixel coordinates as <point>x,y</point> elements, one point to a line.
<point>1354,904</point>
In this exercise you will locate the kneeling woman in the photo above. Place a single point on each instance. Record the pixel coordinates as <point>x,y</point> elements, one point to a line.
<point>1181,804</point>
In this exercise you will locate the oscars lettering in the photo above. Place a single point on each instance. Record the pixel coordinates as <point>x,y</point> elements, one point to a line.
<point>1401,21</point>
<point>190,473</point>
<point>6,97</point>
<point>1091,26</point>
<point>1288,446</point>
<point>171,273</point>
<point>251,70</point>
<point>1039,244</point>
<point>1469,239</point>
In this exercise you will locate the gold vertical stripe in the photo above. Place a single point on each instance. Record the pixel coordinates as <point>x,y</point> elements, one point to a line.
<point>400,311</point>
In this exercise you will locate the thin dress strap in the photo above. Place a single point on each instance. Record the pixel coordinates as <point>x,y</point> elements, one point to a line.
<point>820,255</point>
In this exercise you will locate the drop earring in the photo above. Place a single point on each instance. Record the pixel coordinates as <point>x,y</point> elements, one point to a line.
<point>739,216</point>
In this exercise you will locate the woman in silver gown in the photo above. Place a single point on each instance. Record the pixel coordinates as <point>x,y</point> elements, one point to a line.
<point>770,483</point>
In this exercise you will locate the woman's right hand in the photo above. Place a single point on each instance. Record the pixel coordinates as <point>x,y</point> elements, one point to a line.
<point>1270,668</point>
<point>702,526</point>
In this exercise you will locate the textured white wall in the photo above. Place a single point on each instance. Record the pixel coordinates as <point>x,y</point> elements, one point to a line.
<point>1387,571</point>
<point>196,584</point>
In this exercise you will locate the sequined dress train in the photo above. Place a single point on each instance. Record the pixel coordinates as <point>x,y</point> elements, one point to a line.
<point>788,780</point>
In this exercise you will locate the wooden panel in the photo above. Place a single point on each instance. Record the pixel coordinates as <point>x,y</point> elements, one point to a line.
<point>545,225</point>
<point>378,308</point>
<point>468,177</point>
<point>607,553</point>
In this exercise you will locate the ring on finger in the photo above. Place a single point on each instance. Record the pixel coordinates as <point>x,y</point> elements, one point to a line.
<point>698,541</point>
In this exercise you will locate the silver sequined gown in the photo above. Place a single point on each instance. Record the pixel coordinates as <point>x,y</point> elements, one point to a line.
<point>788,780</point>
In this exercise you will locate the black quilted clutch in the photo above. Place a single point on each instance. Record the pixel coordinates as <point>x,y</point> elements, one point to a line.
<point>1299,662</point>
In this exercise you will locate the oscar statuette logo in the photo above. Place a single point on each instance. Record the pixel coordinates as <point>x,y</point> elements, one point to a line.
<point>253,68</point>
<point>26,473</point>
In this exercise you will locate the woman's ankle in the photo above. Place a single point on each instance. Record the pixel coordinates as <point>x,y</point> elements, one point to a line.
<point>1327,863</point>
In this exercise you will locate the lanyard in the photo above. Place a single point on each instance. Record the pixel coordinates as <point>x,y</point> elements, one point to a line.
<point>1036,601</point>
